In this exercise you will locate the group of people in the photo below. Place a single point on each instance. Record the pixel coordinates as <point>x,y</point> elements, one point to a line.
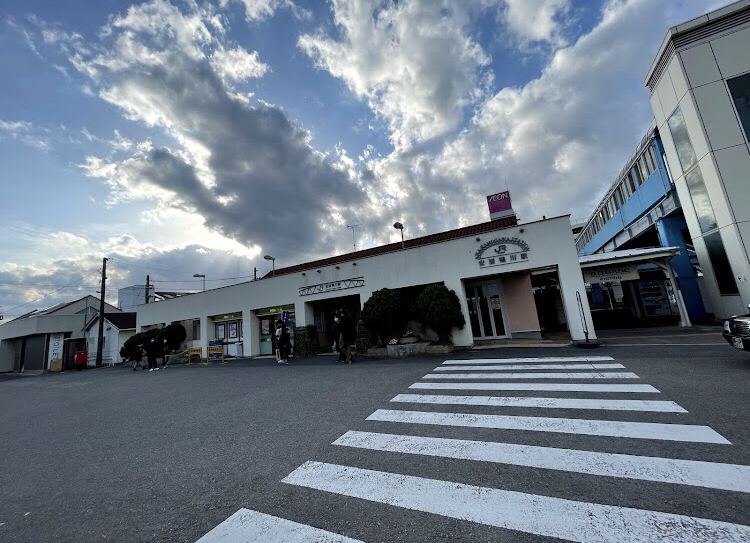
<point>283,343</point>
<point>345,336</point>
<point>152,351</point>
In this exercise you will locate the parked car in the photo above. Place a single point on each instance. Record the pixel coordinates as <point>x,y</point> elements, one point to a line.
<point>737,331</point>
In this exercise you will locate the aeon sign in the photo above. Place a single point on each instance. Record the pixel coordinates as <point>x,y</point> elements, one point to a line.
<point>499,205</point>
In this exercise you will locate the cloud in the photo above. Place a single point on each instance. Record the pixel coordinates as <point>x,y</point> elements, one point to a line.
<point>26,133</point>
<point>415,62</point>
<point>258,10</point>
<point>248,172</point>
<point>532,21</point>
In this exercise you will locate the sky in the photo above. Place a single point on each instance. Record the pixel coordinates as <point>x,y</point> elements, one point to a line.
<point>194,137</point>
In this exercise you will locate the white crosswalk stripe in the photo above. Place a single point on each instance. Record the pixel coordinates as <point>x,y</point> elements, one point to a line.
<point>547,367</point>
<point>246,526</point>
<point>545,360</point>
<point>549,387</point>
<point>611,428</point>
<point>646,468</point>
<point>541,515</point>
<point>549,403</point>
<point>528,375</point>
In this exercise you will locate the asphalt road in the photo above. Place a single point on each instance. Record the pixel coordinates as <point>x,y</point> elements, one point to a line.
<point>115,455</point>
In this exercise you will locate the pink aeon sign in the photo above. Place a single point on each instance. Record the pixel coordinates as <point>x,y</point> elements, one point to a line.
<point>499,202</point>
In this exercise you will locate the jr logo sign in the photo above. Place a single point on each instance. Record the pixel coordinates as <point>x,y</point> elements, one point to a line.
<point>501,251</point>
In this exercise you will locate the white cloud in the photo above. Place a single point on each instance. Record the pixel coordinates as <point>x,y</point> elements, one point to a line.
<point>536,20</point>
<point>415,62</point>
<point>258,10</point>
<point>237,64</point>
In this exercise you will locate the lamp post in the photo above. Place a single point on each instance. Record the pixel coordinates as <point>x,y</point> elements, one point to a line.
<point>200,275</point>
<point>399,226</point>
<point>273,264</point>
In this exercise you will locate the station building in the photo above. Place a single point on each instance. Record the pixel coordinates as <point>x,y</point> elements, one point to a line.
<point>699,86</point>
<point>512,280</point>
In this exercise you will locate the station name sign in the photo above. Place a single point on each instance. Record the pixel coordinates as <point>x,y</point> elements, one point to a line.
<point>331,286</point>
<point>610,274</point>
<point>500,251</point>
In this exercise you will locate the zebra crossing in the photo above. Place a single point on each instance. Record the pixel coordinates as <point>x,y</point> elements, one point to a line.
<point>493,506</point>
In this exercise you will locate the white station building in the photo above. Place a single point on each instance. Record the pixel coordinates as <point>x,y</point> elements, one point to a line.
<point>512,280</point>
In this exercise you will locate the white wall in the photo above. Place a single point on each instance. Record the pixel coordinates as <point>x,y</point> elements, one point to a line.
<point>551,245</point>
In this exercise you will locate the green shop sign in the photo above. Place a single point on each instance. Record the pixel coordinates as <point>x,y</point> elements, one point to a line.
<point>227,317</point>
<point>274,310</point>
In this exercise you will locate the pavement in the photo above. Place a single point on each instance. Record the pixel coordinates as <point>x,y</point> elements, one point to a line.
<point>359,451</point>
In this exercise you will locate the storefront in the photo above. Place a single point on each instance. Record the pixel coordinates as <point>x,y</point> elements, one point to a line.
<point>228,329</point>
<point>267,319</point>
<point>509,279</point>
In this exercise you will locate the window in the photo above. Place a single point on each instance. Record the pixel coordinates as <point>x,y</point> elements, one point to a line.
<point>652,157</point>
<point>739,88</point>
<point>720,264</point>
<point>645,174</point>
<point>617,199</point>
<point>685,151</point>
<point>637,175</point>
<point>626,192</point>
<point>631,183</point>
<point>701,201</point>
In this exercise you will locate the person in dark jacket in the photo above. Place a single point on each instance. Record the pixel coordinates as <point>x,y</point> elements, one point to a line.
<point>284,344</point>
<point>151,353</point>
<point>348,336</point>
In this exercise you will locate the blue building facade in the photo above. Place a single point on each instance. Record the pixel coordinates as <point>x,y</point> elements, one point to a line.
<point>641,209</point>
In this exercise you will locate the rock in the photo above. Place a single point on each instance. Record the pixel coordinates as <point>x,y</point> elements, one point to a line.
<point>422,331</point>
<point>403,351</point>
<point>408,340</point>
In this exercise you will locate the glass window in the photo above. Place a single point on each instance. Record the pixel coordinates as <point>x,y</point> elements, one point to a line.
<point>631,183</point>
<point>739,88</point>
<point>720,264</point>
<point>652,155</point>
<point>637,175</point>
<point>682,143</point>
<point>617,199</point>
<point>644,170</point>
<point>625,189</point>
<point>701,201</point>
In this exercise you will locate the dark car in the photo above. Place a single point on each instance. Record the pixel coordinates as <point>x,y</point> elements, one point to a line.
<point>737,331</point>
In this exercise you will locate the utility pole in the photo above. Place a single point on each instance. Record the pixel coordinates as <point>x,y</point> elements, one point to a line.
<point>148,286</point>
<point>100,342</point>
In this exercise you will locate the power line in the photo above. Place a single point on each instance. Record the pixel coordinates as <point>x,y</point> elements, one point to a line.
<point>61,288</point>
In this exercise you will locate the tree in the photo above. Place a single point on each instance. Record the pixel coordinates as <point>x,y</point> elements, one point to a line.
<point>385,313</point>
<point>131,349</point>
<point>175,334</point>
<point>439,308</point>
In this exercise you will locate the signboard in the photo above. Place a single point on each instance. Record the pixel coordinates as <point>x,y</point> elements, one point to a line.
<point>500,251</point>
<point>499,205</point>
<point>611,274</point>
<point>274,310</point>
<point>332,286</point>
<point>55,346</point>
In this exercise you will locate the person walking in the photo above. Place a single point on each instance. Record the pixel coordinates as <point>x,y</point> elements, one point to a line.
<point>284,344</point>
<point>138,358</point>
<point>151,355</point>
<point>165,350</point>
<point>348,336</point>
<point>336,334</point>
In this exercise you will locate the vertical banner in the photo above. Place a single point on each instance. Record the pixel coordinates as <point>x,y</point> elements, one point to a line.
<point>55,347</point>
<point>499,205</point>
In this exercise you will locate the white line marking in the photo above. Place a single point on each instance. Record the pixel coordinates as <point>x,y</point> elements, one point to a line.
<point>509,367</point>
<point>528,375</point>
<point>611,428</point>
<point>647,468</point>
<point>248,526</point>
<point>549,403</point>
<point>543,359</point>
<point>541,515</point>
<point>557,387</point>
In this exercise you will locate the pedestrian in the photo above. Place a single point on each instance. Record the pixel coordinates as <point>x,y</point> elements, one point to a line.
<point>284,344</point>
<point>138,358</point>
<point>336,334</point>
<point>151,353</point>
<point>165,350</point>
<point>348,336</point>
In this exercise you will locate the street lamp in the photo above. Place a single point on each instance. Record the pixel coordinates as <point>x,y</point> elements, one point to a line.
<point>399,226</point>
<point>200,275</point>
<point>273,264</point>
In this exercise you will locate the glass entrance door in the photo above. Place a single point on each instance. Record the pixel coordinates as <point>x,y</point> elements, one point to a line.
<point>486,310</point>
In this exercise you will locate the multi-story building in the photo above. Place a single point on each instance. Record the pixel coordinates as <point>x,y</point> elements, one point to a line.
<point>700,96</point>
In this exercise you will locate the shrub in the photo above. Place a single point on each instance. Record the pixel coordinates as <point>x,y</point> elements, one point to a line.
<point>175,334</point>
<point>385,313</point>
<point>439,308</point>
